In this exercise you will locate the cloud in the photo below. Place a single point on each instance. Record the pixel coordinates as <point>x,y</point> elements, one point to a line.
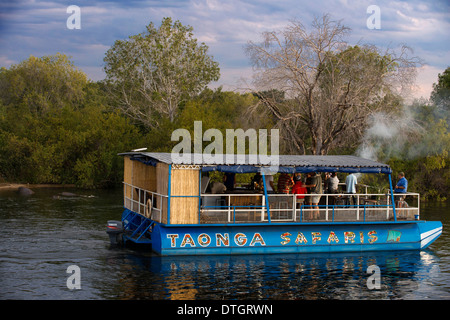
<point>39,28</point>
<point>427,75</point>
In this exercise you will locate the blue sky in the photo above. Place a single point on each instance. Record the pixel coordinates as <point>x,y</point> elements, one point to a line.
<point>35,27</point>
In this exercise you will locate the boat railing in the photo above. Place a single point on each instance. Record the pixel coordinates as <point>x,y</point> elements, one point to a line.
<point>252,208</point>
<point>144,202</point>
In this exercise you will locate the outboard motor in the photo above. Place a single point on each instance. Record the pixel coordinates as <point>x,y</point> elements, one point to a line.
<point>115,230</point>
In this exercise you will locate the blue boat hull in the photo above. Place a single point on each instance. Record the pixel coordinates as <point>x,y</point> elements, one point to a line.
<point>287,237</point>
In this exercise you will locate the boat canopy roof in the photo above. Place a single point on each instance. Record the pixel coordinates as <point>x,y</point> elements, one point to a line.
<point>255,163</point>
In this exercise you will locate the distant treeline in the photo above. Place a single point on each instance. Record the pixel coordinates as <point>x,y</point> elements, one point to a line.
<point>58,127</point>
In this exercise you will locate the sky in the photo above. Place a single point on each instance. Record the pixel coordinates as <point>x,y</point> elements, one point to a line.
<point>39,28</point>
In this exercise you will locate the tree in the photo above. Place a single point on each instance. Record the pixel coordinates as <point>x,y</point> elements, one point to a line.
<point>153,72</point>
<point>55,126</point>
<point>39,85</point>
<point>331,88</point>
<point>440,95</point>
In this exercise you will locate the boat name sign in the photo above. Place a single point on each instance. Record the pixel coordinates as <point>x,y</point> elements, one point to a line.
<point>240,239</point>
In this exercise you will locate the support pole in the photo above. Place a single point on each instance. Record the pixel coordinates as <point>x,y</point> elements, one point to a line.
<point>265,195</point>
<point>392,196</point>
<point>199,192</point>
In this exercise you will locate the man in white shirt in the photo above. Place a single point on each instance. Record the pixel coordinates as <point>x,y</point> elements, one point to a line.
<point>269,183</point>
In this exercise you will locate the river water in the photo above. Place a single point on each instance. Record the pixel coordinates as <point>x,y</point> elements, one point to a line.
<point>42,235</point>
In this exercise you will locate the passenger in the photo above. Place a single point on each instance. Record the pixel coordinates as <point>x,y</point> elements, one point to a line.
<point>256,183</point>
<point>299,189</point>
<point>229,180</point>
<point>351,183</point>
<point>402,186</point>
<point>314,185</point>
<point>326,182</point>
<point>269,183</point>
<point>284,183</point>
<point>333,183</point>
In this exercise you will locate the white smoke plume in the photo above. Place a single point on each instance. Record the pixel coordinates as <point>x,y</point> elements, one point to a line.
<point>390,135</point>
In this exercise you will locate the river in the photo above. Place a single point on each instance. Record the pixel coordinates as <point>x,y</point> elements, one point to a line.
<point>42,235</point>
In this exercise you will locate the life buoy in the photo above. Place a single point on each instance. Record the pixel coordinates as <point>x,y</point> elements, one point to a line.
<point>148,208</point>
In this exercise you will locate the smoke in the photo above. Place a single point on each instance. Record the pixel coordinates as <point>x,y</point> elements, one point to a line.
<point>391,135</point>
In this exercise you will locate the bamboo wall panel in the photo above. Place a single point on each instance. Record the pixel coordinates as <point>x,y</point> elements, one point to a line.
<point>184,182</point>
<point>128,174</point>
<point>144,176</point>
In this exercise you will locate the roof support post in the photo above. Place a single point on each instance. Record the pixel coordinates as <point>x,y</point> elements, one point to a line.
<point>168,193</point>
<point>392,197</point>
<point>199,191</point>
<point>265,195</point>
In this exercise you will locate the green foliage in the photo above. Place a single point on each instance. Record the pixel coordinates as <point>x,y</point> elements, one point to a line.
<point>152,73</point>
<point>54,133</point>
<point>55,129</point>
<point>441,94</point>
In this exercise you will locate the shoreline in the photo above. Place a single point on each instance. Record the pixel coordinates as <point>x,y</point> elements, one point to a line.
<point>16,186</point>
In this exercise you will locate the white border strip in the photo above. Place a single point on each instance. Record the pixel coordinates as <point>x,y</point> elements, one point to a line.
<point>429,236</point>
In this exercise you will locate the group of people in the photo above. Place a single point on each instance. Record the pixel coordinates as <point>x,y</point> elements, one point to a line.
<point>294,184</point>
<point>313,185</point>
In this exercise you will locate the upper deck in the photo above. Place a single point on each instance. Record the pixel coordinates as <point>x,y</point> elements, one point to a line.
<point>176,192</point>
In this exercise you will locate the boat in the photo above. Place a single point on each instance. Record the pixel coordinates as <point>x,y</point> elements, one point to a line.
<point>168,205</point>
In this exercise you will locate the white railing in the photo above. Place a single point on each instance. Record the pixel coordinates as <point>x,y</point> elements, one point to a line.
<point>251,207</point>
<point>223,208</point>
<point>138,201</point>
<point>226,208</point>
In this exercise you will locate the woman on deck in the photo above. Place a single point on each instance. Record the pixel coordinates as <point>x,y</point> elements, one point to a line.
<point>299,189</point>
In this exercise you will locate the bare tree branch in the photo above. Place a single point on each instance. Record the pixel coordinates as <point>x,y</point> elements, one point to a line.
<point>331,88</point>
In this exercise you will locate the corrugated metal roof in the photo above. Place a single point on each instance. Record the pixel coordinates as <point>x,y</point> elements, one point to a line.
<point>302,163</point>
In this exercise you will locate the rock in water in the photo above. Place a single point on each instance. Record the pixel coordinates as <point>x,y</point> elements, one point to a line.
<point>68,194</point>
<point>25,191</point>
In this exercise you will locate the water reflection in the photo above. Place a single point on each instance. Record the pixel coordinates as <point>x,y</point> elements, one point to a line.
<point>326,276</point>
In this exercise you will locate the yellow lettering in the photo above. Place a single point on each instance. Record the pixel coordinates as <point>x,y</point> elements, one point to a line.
<point>285,236</point>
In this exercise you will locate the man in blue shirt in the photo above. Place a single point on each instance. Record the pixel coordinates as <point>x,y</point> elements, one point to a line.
<point>401,187</point>
<point>351,182</point>
<point>402,184</point>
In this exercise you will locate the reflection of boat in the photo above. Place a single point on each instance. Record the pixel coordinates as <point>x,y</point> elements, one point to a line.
<point>404,274</point>
<point>167,206</point>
